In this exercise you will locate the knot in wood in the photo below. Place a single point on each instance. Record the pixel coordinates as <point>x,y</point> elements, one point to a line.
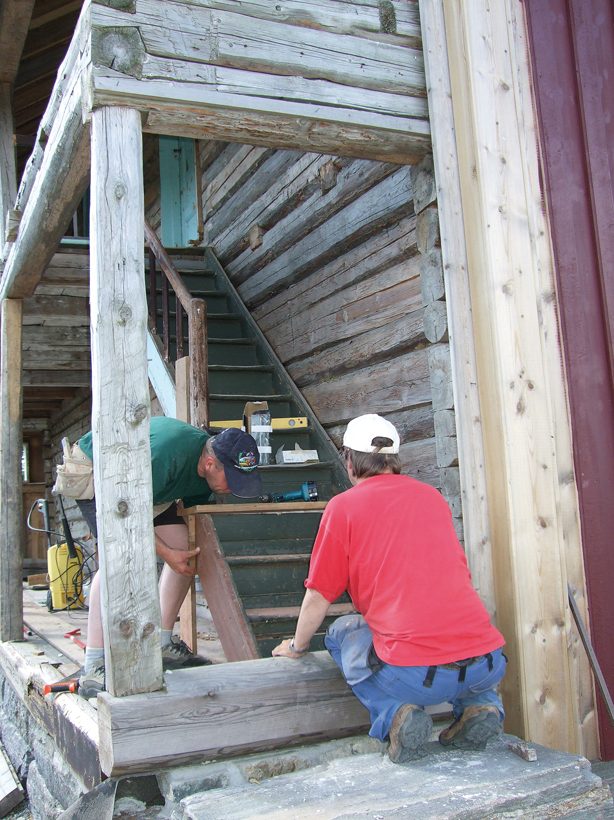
<point>126,627</point>
<point>147,630</point>
<point>122,508</point>
<point>139,414</point>
<point>120,190</point>
<point>125,314</point>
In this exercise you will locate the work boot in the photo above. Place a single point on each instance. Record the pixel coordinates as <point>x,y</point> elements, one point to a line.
<point>410,730</point>
<point>92,682</point>
<point>473,729</point>
<point>176,655</point>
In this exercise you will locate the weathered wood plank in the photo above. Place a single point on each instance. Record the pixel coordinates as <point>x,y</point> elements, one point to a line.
<point>11,534</point>
<point>61,378</point>
<point>387,388</point>
<point>74,310</point>
<point>223,710</point>
<point>235,173</point>
<point>362,218</point>
<point>69,719</point>
<point>338,16</point>
<point>225,38</point>
<point>39,337</point>
<point>226,609</point>
<point>120,406</point>
<point>11,790</point>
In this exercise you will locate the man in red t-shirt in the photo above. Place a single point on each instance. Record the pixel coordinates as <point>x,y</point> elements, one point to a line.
<point>422,635</point>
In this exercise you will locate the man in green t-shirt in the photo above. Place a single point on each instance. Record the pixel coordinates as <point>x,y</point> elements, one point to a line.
<point>187,464</point>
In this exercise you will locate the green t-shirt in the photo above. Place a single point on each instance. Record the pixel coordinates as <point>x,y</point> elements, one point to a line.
<point>175,450</point>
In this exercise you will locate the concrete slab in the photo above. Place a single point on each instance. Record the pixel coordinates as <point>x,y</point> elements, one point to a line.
<point>445,784</point>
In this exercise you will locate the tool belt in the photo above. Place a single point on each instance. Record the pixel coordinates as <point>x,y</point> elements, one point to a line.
<point>460,665</point>
<point>75,476</point>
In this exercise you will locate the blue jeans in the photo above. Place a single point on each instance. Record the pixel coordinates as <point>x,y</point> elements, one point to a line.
<point>386,688</point>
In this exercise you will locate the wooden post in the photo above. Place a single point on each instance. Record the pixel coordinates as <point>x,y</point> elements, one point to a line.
<point>11,528</point>
<point>520,381</point>
<point>187,613</point>
<point>120,406</point>
<point>476,525</point>
<point>8,179</point>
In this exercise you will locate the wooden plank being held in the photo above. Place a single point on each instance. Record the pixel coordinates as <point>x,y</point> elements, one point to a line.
<point>228,709</point>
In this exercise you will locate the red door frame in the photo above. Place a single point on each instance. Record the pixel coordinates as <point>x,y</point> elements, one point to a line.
<point>571,44</point>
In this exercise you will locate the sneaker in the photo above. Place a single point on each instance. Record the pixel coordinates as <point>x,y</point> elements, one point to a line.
<point>473,729</point>
<point>176,655</point>
<point>92,682</point>
<point>410,730</point>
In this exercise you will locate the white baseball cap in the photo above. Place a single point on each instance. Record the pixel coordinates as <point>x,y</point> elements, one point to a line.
<point>361,431</point>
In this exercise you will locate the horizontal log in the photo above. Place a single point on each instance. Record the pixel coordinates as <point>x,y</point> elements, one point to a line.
<point>187,109</point>
<point>217,711</point>
<point>42,337</point>
<point>378,345</point>
<point>360,18</point>
<point>294,88</point>
<point>370,304</point>
<point>70,308</point>
<point>60,358</point>
<point>61,378</point>
<point>269,195</point>
<point>225,38</point>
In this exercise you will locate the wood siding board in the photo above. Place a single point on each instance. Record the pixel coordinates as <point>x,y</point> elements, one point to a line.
<point>14,23</point>
<point>560,82</point>
<point>120,407</point>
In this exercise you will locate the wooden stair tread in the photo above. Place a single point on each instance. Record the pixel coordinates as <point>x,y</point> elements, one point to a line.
<point>258,506</point>
<point>276,613</point>
<point>238,560</point>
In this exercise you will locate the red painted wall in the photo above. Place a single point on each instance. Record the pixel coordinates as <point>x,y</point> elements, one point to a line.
<point>572,55</point>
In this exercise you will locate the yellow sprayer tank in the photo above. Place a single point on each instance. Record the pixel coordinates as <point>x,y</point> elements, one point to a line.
<point>65,577</point>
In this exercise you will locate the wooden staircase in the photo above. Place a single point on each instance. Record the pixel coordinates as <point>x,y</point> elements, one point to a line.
<point>267,552</point>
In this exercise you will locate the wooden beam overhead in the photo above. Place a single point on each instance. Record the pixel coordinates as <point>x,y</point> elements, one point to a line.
<point>14,22</point>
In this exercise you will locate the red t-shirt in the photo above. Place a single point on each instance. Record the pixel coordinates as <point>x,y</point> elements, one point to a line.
<point>390,542</point>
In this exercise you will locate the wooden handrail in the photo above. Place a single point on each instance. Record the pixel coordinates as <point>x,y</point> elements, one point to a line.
<point>169,270</point>
<point>196,311</point>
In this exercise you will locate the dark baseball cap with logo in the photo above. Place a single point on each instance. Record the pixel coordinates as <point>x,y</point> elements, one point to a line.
<point>238,453</point>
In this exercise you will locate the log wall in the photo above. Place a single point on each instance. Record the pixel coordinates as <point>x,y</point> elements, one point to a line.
<point>339,261</point>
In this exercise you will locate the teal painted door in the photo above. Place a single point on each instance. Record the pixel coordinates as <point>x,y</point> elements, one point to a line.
<point>178,192</point>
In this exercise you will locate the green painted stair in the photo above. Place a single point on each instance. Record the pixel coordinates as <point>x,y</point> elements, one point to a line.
<point>268,554</point>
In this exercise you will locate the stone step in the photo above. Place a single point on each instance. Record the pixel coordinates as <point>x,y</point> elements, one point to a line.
<point>444,785</point>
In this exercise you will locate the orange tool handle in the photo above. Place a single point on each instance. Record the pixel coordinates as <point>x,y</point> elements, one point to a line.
<point>66,686</point>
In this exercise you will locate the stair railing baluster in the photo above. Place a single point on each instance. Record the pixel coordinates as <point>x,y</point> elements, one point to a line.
<point>151,300</point>
<point>196,311</point>
<point>179,328</point>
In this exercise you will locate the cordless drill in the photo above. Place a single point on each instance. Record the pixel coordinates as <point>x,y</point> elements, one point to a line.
<point>307,492</point>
